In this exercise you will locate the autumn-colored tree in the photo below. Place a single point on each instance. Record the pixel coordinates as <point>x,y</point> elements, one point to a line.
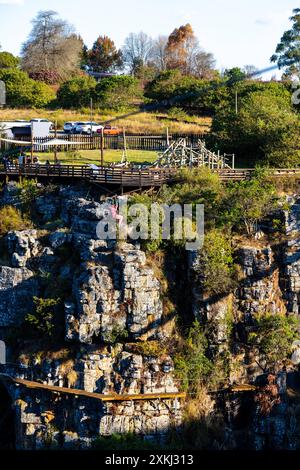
<point>181,42</point>
<point>184,53</point>
<point>104,56</point>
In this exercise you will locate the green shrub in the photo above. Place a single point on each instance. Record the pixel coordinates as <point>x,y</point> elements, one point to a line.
<point>192,366</point>
<point>117,92</point>
<point>23,91</point>
<point>248,202</point>
<point>273,336</point>
<point>76,92</point>
<point>217,263</point>
<point>42,319</point>
<point>28,191</point>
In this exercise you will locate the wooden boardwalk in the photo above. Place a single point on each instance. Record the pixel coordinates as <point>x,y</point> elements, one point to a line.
<point>83,393</point>
<point>121,177</point>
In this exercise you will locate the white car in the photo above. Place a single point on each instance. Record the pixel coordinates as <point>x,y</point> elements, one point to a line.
<point>87,128</point>
<point>70,126</point>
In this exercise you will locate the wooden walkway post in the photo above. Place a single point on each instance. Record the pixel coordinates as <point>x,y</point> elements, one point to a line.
<point>102,146</point>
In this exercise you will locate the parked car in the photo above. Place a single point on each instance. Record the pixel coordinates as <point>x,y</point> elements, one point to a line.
<point>110,130</point>
<point>87,128</point>
<point>70,126</point>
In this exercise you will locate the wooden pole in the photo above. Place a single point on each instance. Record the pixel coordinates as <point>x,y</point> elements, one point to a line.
<point>55,147</point>
<point>168,138</point>
<point>102,146</point>
<point>31,150</point>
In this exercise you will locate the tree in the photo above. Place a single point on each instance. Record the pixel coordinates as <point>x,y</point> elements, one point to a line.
<point>182,45</point>
<point>8,60</point>
<point>216,265</point>
<point>76,92</point>
<point>248,202</point>
<point>273,336</point>
<point>159,53</point>
<point>104,57</point>
<point>202,65</point>
<point>137,51</point>
<point>23,91</point>
<point>287,54</point>
<point>117,92</point>
<point>234,76</point>
<point>52,45</point>
<point>265,129</point>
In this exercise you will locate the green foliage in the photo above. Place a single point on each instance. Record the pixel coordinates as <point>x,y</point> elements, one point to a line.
<point>217,263</point>
<point>8,60</point>
<point>117,335</point>
<point>76,92</point>
<point>234,76</point>
<point>266,127</point>
<point>288,50</point>
<point>42,319</point>
<point>185,91</point>
<point>12,219</point>
<point>192,366</point>
<point>117,92</point>
<point>273,336</point>
<point>247,202</point>
<point>28,191</point>
<point>23,91</point>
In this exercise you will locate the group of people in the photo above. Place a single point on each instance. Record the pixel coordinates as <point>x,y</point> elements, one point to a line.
<point>23,160</point>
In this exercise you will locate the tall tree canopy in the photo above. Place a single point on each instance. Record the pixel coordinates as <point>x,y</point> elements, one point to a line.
<point>104,56</point>
<point>51,46</point>
<point>288,50</point>
<point>137,51</point>
<point>184,53</point>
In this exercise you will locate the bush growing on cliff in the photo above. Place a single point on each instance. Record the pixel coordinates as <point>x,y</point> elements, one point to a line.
<point>12,219</point>
<point>217,263</point>
<point>248,202</point>
<point>192,366</point>
<point>273,336</point>
<point>43,317</point>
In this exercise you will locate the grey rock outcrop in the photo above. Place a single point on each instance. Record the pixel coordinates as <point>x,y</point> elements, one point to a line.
<point>17,287</point>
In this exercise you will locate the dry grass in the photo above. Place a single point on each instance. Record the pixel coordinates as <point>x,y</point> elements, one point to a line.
<point>148,123</point>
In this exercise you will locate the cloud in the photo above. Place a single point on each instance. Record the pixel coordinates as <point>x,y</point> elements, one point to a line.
<point>11,2</point>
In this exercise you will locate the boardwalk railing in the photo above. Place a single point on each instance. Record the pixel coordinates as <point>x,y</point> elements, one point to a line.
<point>102,175</point>
<point>130,177</point>
<point>114,142</point>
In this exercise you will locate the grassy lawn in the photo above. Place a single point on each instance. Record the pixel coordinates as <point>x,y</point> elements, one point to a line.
<point>148,123</point>
<point>83,157</point>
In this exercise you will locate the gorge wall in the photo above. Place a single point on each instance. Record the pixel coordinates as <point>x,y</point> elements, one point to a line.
<point>114,331</point>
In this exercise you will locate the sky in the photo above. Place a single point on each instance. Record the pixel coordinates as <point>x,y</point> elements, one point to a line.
<point>237,32</point>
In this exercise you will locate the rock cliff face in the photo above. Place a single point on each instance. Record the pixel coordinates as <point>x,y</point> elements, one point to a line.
<point>269,284</point>
<point>114,303</point>
<point>113,310</point>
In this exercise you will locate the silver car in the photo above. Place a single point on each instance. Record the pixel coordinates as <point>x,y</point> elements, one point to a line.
<point>70,126</point>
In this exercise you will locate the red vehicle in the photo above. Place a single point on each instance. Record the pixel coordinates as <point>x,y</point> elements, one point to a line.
<point>109,130</point>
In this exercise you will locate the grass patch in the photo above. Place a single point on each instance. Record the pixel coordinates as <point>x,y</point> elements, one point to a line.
<point>89,157</point>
